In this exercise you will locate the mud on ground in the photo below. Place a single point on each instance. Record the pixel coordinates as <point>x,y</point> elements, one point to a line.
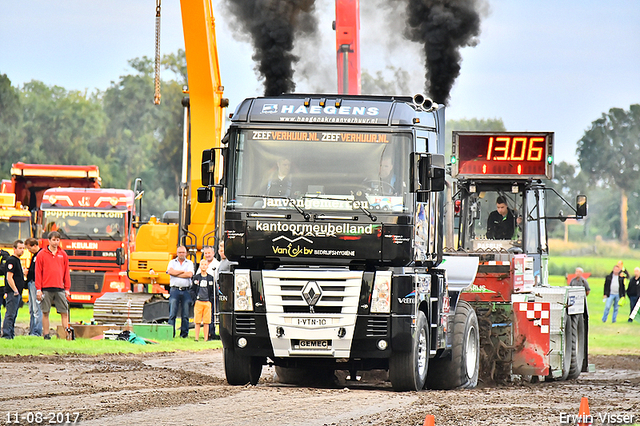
<point>188,388</point>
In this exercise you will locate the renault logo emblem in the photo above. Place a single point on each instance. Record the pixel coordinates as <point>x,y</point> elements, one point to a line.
<point>311,293</point>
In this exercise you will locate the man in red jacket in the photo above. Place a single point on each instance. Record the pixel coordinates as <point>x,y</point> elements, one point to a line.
<point>53,282</point>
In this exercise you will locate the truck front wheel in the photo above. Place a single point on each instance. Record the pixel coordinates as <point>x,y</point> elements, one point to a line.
<point>408,370</point>
<point>460,368</point>
<point>241,369</point>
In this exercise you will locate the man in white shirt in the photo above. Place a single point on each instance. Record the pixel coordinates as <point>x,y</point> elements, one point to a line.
<point>180,271</point>
<point>210,255</point>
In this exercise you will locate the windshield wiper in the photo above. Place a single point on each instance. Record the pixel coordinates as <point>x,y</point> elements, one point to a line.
<point>292,203</point>
<point>368,213</point>
<point>298,209</point>
<point>306,215</point>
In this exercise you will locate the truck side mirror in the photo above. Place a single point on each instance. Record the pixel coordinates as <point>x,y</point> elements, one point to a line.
<point>581,206</point>
<point>205,194</point>
<point>427,172</point>
<point>208,167</point>
<point>119,256</point>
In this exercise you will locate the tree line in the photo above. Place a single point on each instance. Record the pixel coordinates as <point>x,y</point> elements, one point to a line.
<point>119,129</point>
<point>127,136</point>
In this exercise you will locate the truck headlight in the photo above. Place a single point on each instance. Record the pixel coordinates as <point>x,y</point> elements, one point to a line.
<point>242,300</point>
<point>381,294</point>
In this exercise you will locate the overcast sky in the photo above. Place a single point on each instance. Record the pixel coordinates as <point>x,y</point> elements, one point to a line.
<point>542,65</point>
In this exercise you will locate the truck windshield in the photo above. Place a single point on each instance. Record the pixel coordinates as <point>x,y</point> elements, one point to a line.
<point>320,170</point>
<point>15,228</point>
<point>85,225</point>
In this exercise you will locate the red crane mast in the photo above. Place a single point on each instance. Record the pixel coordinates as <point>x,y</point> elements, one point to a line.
<point>347,26</point>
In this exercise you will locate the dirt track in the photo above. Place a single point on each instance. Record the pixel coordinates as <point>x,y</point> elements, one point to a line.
<point>188,388</point>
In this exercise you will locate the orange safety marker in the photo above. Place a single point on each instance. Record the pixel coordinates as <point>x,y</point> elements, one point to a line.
<point>430,420</point>
<point>584,414</point>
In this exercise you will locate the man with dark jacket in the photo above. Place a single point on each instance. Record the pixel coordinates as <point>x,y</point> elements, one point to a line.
<point>633,291</point>
<point>35,312</point>
<point>501,222</point>
<point>613,292</point>
<point>13,287</point>
<point>53,282</point>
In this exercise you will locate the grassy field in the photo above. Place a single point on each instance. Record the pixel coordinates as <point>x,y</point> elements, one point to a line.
<point>31,345</point>
<point>604,338</point>
<point>608,338</point>
<point>597,266</point>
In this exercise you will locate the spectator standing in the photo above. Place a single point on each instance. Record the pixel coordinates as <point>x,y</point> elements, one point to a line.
<point>53,282</point>
<point>13,287</point>
<point>4,256</point>
<point>35,311</point>
<point>623,271</point>
<point>180,270</point>
<point>613,292</point>
<point>579,280</point>
<point>225,264</point>
<point>202,292</point>
<point>633,291</point>
<point>209,253</point>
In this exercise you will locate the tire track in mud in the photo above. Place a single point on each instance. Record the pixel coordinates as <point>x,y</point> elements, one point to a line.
<point>101,386</point>
<point>189,388</point>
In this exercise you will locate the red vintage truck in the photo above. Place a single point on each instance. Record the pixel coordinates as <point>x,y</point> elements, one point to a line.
<point>94,225</point>
<point>94,222</point>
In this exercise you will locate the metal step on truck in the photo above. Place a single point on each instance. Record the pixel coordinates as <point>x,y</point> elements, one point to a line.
<point>333,212</point>
<point>527,328</point>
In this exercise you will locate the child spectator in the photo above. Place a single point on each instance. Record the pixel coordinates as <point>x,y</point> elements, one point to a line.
<point>202,291</point>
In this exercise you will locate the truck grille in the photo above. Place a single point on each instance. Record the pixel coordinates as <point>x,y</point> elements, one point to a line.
<point>377,327</point>
<point>87,282</point>
<point>245,324</point>
<point>340,291</point>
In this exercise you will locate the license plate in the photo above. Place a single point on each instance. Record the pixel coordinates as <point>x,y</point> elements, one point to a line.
<point>311,321</point>
<point>312,344</point>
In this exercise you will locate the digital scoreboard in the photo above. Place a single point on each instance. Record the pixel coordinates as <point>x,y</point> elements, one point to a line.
<point>498,155</point>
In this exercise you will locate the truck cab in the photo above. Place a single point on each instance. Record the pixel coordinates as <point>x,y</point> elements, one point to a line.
<point>333,209</point>
<point>95,232</point>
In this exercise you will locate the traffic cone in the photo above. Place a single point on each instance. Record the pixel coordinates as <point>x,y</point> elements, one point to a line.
<point>584,413</point>
<point>429,420</point>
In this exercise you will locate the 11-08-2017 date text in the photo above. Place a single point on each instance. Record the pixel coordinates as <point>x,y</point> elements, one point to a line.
<point>37,417</point>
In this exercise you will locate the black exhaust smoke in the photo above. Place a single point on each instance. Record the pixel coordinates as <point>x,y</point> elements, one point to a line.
<point>273,25</point>
<point>443,27</point>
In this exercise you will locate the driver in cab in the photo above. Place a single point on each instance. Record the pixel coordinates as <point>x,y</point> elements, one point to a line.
<point>501,221</point>
<point>387,183</point>
<point>280,183</point>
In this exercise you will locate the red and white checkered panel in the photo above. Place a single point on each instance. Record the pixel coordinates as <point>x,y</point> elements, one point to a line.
<point>539,312</point>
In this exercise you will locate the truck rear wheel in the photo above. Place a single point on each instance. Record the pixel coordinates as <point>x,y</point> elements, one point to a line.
<point>408,370</point>
<point>460,369</point>
<point>241,369</point>
<point>577,352</point>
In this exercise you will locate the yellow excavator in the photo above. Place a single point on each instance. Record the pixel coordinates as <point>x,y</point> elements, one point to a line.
<point>195,225</point>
